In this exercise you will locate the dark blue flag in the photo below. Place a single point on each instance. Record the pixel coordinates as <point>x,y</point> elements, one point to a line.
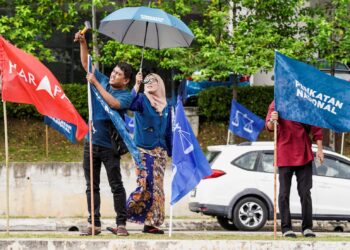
<point>118,122</point>
<point>120,125</point>
<point>129,121</point>
<point>244,123</point>
<point>190,165</point>
<point>305,94</point>
<point>65,128</point>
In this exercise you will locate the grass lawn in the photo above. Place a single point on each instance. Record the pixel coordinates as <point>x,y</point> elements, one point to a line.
<point>27,141</point>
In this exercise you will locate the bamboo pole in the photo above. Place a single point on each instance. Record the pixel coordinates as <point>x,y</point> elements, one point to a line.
<point>7,171</point>
<point>275,181</point>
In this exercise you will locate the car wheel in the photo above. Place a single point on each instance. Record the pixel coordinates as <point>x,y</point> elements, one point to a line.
<point>226,223</point>
<point>250,214</point>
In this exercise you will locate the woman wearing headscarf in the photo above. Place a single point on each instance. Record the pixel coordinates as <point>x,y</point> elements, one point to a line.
<point>153,137</point>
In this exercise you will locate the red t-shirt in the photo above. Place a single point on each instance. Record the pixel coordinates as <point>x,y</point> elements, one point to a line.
<point>293,141</point>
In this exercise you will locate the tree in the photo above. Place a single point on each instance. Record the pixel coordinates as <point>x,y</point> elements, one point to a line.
<point>328,29</point>
<point>257,29</point>
<point>29,24</point>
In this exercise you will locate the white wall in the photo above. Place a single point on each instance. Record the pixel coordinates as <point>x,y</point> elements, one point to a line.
<point>58,190</point>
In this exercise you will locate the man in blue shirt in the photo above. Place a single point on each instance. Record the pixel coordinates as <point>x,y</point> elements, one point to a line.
<point>113,90</point>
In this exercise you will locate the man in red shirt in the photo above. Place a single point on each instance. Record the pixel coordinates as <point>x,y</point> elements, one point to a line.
<point>294,155</point>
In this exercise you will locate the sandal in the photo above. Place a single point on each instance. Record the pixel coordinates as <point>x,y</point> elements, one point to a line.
<point>152,230</point>
<point>120,230</point>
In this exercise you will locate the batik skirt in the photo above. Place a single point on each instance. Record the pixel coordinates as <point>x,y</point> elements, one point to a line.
<point>146,204</point>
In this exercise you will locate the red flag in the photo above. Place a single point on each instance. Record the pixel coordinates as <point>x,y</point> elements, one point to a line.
<point>26,80</point>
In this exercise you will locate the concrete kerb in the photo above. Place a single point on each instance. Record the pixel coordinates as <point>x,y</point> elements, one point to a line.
<point>205,226</point>
<point>86,244</point>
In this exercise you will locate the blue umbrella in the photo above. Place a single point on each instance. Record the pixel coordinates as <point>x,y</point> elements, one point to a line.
<point>146,27</point>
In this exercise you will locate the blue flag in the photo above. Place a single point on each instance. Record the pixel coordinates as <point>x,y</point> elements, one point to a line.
<point>130,125</point>
<point>120,125</point>
<point>65,128</point>
<point>189,163</point>
<point>117,121</point>
<point>305,94</point>
<point>244,123</point>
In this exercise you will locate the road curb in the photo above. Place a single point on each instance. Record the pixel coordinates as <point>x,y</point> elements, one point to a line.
<point>73,244</point>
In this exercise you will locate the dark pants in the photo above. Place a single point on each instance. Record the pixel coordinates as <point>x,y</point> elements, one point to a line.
<point>304,180</point>
<point>111,161</point>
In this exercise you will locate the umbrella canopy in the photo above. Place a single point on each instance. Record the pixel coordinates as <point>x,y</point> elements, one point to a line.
<point>146,27</point>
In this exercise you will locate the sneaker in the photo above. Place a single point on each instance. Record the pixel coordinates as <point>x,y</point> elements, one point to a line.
<point>289,234</point>
<point>119,231</point>
<point>152,230</point>
<point>309,233</point>
<point>88,231</point>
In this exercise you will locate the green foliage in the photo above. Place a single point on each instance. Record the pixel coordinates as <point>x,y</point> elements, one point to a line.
<point>215,103</point>
<point>328,29</point>
<point>29,24</point>
<point>77,94</point>
<point>33,22</point>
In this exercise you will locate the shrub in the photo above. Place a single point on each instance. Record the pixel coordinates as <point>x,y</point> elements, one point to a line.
<point>215,103</point>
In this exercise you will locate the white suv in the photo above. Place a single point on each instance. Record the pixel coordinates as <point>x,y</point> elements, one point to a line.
<point>240,190</point>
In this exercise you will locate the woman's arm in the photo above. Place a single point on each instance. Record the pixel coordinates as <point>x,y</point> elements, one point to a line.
<point>138,82</point>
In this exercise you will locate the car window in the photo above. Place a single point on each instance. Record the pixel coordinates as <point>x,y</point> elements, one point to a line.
<point>333,167</point>
<point>340,66</point>
<point>324,65</point>
<point>267,163</point>
<point>211,156</point>
<point>246,161</point>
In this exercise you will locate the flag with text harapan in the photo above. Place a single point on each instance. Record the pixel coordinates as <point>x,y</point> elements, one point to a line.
<point>26,80</point>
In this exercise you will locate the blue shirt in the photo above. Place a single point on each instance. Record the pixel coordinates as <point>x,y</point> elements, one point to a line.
<point>151,129</point>
<point>100,119</point>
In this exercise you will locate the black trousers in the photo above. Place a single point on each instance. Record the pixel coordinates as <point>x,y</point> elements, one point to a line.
<point>304,185</point>
<point>111,161</point>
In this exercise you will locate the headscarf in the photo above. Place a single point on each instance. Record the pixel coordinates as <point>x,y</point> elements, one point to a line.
<point>157,98</point>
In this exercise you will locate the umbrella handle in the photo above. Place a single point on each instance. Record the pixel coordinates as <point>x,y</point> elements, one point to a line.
<point>143,48</point>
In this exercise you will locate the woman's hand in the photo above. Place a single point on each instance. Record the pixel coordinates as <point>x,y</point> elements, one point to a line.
<point>139,78</point>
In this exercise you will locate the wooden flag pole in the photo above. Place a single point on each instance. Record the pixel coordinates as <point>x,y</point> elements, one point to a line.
<point>92,204</point>
<point>275,181</point>
<point>7,171</point>
<point>47,140</point>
